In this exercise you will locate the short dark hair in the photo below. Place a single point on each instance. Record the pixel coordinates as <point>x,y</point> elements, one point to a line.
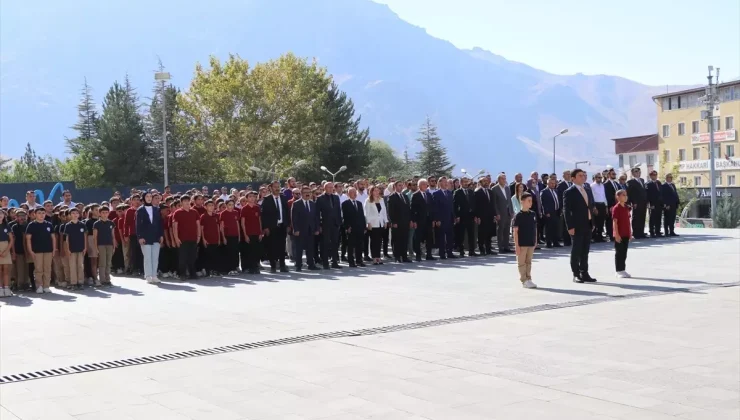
<point>73,210</point>
<point>210,202</point>
<point>104,208</point>
<point>526,195</point>
<point>575,172</point>
<point>185,197</point>
<point>39,210</point>
<point>136,197</point>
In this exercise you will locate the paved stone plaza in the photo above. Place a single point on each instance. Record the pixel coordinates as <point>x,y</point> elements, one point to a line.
<point>662,345</point>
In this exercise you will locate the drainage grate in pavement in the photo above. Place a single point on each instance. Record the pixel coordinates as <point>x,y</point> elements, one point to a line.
<point>93,367</point>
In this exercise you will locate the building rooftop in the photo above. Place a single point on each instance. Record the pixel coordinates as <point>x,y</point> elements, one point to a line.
<point>646,143</point>
<point>695,89</point>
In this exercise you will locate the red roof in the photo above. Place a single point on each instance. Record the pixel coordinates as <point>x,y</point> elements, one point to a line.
<point>646,143</point>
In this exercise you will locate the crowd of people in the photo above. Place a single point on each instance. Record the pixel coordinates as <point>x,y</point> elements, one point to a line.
<point>160,235</point>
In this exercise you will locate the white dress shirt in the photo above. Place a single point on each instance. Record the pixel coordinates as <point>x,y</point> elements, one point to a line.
<point>598,192</point>
<point>361,196</point>
<point>150,212</point>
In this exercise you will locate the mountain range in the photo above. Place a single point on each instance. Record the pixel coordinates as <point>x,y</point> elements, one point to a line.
<point>492,113</point>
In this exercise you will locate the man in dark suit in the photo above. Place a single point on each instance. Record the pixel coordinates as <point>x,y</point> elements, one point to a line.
<point>399,215</point>
<point>305,228</point>
<point>330,215</point>
<point>485,213</point>
<point>424,219</point>
<point>446,219</point>
<point>275,220</point>
<point>517,180</point>
<point>463,202</point>
<point>611,186</point>
<point>552,208</point>
<point>654,191</point>
<point>354,225</point>
<point>637,198</point>
<point>670,205</point>
<point>578,207</point>
<point>562,186</point>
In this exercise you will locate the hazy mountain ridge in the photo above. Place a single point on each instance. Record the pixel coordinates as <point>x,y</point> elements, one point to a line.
<point>395,72</point>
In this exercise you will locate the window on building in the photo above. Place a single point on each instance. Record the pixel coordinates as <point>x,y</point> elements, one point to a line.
<point>666,105</point>
<point>666,130</point>
<point>621,161</point>
<point>730,123</point>
<point>730,150</point>
<point>695,153</point>
<point>717,152</point>
<point>682,180</point>
<point>650,159</point>
<point>718,179</point>
<point>694,127</point>
<point>667,155</point>
<point>633,161</point>
<point>730,180</point>
<point>715,123</point>
<point>697,181</point>
<point>681,154</point>
<point>671,104</point>
<point>681,129</point>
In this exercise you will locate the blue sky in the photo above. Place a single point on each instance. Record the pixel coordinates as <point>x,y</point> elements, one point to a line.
<point>656,42</point>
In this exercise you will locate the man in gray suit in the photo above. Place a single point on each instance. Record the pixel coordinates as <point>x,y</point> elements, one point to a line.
<point>504,213</point>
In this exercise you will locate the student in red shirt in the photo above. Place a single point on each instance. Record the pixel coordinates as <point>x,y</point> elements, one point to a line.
<point>210,234</point>
<point>229,220</point>
<point>251,224</point>
<point>135,257</point>
<point>186,230</point>
<point>165,252</point>
<point>622,233</point>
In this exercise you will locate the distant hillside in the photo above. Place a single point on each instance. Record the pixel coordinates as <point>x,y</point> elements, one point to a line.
<point>492,113</point>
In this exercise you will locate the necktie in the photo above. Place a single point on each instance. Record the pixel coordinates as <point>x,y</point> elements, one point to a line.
<point>488,197</point>
<point>355,203</point>
<point>585,198</point>
<point>308,206</point>
<point>331,201</point>
<point>554,198</point>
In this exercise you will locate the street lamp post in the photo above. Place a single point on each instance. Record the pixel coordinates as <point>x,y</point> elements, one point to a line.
<point>333,174</point>
<point>163,77</point>
<point>275,173</point>
<point>481,172</point>
<point>563,131</point>
<point>582,161</point>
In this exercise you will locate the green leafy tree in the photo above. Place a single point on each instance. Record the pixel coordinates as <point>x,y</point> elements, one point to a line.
<point>384,162</point>
<point>727,215</point>
<point>123,150</point>
<point>31,168</point>
<point>432,158</point>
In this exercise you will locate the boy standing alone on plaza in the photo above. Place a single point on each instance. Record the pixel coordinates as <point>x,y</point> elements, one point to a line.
<point>525,240</point>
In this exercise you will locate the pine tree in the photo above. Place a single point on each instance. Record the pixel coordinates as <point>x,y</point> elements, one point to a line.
<point>121,132</point>
<point>432,158</point>
<point>86,126</point>
<point>345,143</point>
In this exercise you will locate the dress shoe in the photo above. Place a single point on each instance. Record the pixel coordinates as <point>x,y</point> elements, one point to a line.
<point>430,258</point>
<point>367,259</point>
<point>442,257</point>
<point>406,260</point>
<point>548,246</point>
<point>335,265</point>
<point>314,268</point>
<point>557,246</point>
<point>577,279</point>
<point>473,254</point>
<point>418,259</point>
<point>362,264</point>
<point>284,270</point>
<point>387,256</point>
<point>298,269</point>
<point>326,266</point>
<point>344,258</point>
<point>273,270</point>
<point>674,234</point>
<point>352,265</point>
<point>587,278</point>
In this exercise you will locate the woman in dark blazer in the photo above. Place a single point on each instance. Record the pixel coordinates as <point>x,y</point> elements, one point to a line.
<point>150,232</point>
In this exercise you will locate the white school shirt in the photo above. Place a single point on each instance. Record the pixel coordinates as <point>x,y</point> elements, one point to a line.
<point>598,192</point>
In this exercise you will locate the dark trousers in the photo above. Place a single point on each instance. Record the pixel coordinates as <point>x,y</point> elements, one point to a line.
<point>423,234</point>
<point>609,223</point>
<point>276,246</point>
<point>117,261</point>
<point>400,237</point>
<point>304,242</point>
<point>376,241</point>
<point>137,258</point>
<point>366,249</point>
<point>656,219</point>
<point>599,220</point>
<point>317,248</point>
<point>187,253</point>
<point>355,245</point>
<point>638,220</point>
<point>329,245</point>
<point>210,258</point>
<point>669,220</point>
<point>163,262</point>
<point>620,254</point>
<point>579,252</point>
<point>551,229</point>
<point>466,226</point>
<point>244,255</point>
<point>445,240</point>
<point>564,231</point>
<point>541,223</point>
<point>485,233</point>
<point>231,251</point>
<point>343,241</point>
<point>386,237</point>
<point>253,251</point>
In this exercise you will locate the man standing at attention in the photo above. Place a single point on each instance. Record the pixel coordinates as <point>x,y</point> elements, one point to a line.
<point>275,220</point>
<point>655,199</point>
<point>446,219</point>
<point>670,204</point>
<point>504,213</point>
<point>637,198</point>
<point>578,206</point>
<point>330,214</point>
<point>562,186</point>
<point>599,193</point>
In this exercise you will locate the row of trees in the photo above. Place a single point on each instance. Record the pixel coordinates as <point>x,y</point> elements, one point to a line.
<point>232,117</point>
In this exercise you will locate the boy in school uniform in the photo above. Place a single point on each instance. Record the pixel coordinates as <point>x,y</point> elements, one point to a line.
<point>75,248</point>
<point>251,224</point>
<point>525,240</point>
<point>22,279</point>
<point>186,230</point>
<point>622,232</point>
<point>92,250</point>
<point>210,234</point>
<point>229,220</point>
<point>123,259</point>
<point>41,248</point>
<point>104,237</point>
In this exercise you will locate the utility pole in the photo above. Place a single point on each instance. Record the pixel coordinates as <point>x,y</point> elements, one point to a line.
<point>163,77</point>
<point>711,99</point>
